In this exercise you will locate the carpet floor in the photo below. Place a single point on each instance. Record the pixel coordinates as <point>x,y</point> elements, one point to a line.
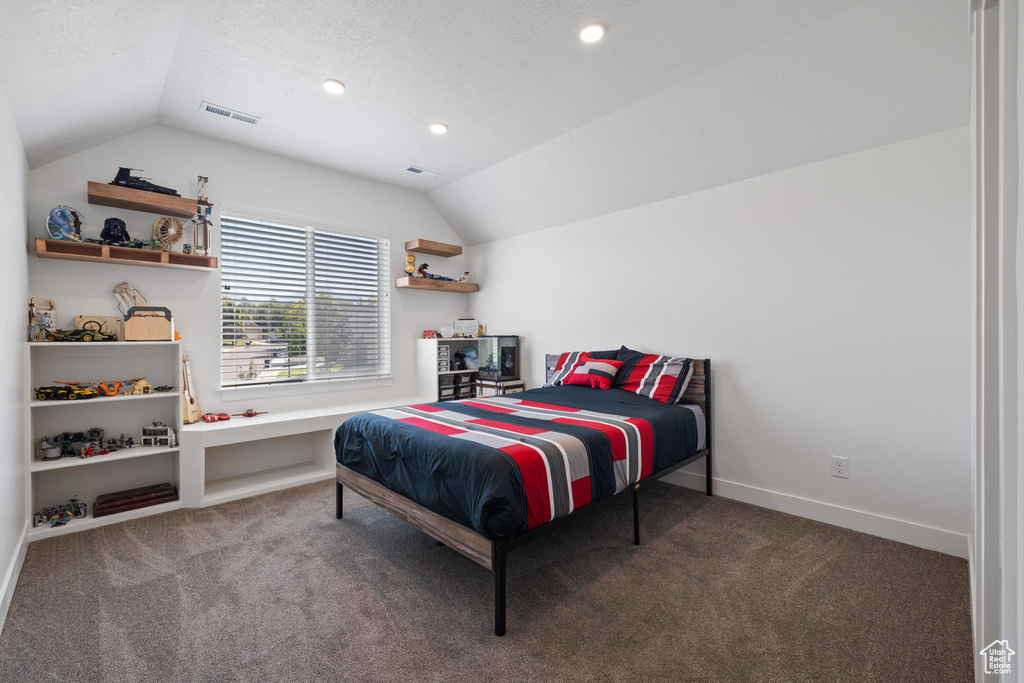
<point>272,588</point>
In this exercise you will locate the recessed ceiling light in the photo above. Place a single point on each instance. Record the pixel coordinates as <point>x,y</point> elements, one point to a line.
<point>592,33</point>
<point>334,87</point>
<point>438,128</point>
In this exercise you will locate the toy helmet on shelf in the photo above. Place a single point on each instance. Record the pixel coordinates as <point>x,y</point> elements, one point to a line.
<point>64,223</point>
<point>114,231</point>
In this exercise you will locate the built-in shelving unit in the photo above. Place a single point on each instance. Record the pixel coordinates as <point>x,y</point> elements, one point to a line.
<point>141,200</point>
<point>102,253</point>
<point>430,284</point>
<point>53,482</point>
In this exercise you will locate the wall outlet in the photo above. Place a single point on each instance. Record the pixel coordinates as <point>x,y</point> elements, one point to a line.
<point>840,467</point>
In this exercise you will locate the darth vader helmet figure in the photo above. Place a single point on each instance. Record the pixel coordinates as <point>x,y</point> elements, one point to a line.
<point>114,231</point>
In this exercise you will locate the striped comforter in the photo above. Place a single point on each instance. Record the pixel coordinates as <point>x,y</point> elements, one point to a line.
<point>507,464</point>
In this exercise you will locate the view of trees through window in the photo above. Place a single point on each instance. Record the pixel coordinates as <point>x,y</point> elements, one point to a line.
<point>301,304</point>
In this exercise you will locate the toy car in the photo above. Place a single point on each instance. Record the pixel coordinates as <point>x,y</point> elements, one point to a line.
<point>83,333</point>
<point>216,417</point>
<point>70,393</point>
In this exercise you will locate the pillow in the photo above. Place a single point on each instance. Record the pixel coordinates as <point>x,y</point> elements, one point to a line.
<point>567,362</point>
<point>662,378</point>
<point>594,373</point>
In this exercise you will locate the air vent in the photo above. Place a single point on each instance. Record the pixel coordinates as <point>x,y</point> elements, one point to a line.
<point>229,113</point>
<point>423,172</point>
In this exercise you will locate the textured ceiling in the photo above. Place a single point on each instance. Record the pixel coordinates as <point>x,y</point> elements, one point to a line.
<point>505,76</point>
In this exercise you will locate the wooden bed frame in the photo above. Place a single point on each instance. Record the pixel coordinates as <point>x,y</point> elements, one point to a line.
<point>491,553</point>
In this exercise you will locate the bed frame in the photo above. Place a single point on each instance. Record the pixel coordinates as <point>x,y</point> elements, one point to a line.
<point>492,553</point>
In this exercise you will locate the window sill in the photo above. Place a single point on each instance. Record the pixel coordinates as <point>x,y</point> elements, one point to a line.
<point>297,388</point>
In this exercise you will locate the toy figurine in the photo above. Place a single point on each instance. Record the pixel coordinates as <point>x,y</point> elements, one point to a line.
<point>423,272</point>
<point>410,263</point>
<point>249,412</point>
<point>129,442</point>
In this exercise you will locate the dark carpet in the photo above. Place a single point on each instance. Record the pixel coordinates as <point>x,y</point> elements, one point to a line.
<point>272,588</point>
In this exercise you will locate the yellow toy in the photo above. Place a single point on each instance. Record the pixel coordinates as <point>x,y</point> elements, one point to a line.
<point>410,263</point>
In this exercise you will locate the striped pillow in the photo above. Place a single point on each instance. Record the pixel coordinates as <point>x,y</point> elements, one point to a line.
<point>567,362</point>
<point>594,373</point>
<point>662,378</point>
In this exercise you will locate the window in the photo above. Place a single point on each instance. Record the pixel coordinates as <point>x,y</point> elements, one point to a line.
<point>300,304</point>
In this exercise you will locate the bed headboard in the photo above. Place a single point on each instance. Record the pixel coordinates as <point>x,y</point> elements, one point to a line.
<point>697,391</point>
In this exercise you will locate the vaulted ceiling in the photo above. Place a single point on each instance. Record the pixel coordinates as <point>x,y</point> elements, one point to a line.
<point>519,91</point>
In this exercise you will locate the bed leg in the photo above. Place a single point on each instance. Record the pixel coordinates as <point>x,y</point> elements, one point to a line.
<point>498,562</point>
<point>707,474</point>
<point>338,490</point>
<point>636,514</point>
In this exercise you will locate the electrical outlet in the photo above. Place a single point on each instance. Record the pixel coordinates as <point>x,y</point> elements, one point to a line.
<point>840,467</point>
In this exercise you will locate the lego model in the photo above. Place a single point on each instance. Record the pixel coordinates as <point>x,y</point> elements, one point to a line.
<point>82,334</point>
<point>40,318</point>
<point>50,448</point>
<point>68,393</point>
<point>124,178</point>
<point>64,223</point>
<point>215,417</point>
<point>158,436</point>
<point>60,514</point>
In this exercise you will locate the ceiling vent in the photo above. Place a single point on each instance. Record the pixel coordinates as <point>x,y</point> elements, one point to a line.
<point>423,172</point>
<point>229,113</point>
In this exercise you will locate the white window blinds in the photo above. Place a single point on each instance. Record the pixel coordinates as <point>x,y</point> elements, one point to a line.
<point>300,304</point>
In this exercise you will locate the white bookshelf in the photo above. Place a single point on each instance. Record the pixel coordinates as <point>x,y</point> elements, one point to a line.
<point>53,482</point>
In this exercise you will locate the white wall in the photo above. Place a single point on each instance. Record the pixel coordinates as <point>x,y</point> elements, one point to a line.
<point>259,184</point>
<point>834,301</point>
<point>13,326</point>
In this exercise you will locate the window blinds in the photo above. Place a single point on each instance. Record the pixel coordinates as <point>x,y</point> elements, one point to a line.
<point>300,304</point>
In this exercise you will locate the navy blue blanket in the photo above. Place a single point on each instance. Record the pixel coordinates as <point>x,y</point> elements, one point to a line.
<point>507,464</point>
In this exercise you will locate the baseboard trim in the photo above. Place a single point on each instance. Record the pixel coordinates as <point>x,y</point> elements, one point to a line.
<point>912,533</point>
<point>11,575</point>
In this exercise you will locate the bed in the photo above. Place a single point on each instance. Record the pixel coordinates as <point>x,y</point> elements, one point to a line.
<point>485,476</point>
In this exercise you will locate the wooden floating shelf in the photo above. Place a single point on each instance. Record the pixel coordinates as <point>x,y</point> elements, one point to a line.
<point>141,200</point>
<point>436,285</point>
<point>101,253</point>
<point>433,248</point>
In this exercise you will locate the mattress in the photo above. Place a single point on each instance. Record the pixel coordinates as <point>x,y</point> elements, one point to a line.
<point>507,464</point>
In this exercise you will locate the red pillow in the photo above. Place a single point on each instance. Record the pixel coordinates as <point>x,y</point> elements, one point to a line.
<point>594,373</point>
